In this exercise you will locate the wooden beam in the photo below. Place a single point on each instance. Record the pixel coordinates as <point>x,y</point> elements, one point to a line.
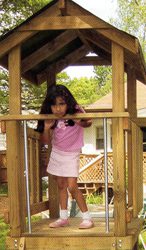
<point>15,169</point>
<point>119,177</point>
<point>131,92</point>
<point>53,198</point>
<point>93,37</point>
<point>77,116</point>
<point>130,167</point>
<point>62,6</point>
<point>137,173</point>
<point>91,60</point>
<point>141,122</point>
<point>120,37</point>
<point>118,93</point>
<point>64,22</point>
<point>51,76</point>
<point>83,39</point>
<point>14,39</point>
<point>63,63</point>
<point>99,41</point>
<point>112,34</point>
<point>39,207</point>
<point>118,140</point>
<point>15,81</point>
<point>47,50</point>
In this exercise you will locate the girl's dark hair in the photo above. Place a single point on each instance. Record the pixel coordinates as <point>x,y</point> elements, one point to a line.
<point>53,92</point>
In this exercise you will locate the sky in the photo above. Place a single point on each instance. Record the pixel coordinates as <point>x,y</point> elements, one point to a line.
<point>104,9</point>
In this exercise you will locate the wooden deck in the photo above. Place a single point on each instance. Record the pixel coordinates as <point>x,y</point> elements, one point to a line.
<point>72,238</point>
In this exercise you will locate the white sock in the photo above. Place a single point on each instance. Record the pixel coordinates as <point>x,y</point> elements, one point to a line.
<point>63,214</point>
<point>86,215</point>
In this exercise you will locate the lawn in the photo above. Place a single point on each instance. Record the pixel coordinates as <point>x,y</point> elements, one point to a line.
<point>4,229</point>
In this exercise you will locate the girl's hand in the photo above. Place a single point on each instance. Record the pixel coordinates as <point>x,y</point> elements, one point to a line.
<point>48,124</point>
<point>85,123</point>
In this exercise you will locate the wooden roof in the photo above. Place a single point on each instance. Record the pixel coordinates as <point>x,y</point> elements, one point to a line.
<point>62,34</point>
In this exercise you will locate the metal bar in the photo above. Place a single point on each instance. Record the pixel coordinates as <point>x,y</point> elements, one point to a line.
<point>106,174</point>
<point>27,175</point>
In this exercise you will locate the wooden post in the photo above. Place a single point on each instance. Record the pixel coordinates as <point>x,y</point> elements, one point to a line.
<point>14,166</point>
<point>53,198</point>
<point>62,7</point>
<point>61,4</point>
<point>118,141</point>
<point>53,190</point>
<point>131,92</point>
<point>131,106</point>
<point>51,76</point>
<point>137,167</point>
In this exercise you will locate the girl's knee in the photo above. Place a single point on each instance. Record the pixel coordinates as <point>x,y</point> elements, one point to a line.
<point>61,183</point>
<point>72,189</point>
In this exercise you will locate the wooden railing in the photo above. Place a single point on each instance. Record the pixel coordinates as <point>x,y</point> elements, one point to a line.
<point>93,168</point>
<point>88,173</point>
<point>90,170</point>
<point>36,171</point>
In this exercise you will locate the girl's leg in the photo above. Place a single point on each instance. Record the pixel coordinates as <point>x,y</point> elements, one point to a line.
<point>78,196</point>
<point>63,201</point>
<point>63,193</point>
<point>76,193</point>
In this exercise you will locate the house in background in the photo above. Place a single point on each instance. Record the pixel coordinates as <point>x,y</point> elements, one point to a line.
<point>94,135</point>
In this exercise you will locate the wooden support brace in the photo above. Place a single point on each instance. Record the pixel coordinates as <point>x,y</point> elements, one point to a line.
<point>22,243</point>
<point>62,7</point>
<point>126,124</point>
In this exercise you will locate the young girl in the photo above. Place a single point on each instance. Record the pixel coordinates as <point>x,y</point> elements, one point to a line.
<point>67,140</point>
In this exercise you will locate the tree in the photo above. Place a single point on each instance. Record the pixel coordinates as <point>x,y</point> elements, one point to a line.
<point>103,74</point>
<point>3,91</point>
<point>131,17</point>
<point>14,12</point>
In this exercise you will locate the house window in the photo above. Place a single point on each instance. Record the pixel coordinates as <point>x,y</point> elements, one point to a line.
<point>99,138</point>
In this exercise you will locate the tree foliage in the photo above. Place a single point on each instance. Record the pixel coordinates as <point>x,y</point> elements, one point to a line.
<point>14,12</point>
<point>131,17</point>
<point>3,91</point>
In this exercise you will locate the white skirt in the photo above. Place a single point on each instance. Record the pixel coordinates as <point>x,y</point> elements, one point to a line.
<point>64,164</point>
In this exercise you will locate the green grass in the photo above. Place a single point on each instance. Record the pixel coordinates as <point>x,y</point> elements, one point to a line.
<point>3,189</point>
<point>4,229</point>
<point>94,199</point>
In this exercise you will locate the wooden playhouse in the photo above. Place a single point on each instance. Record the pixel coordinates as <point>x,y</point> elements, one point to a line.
<point>59,35</point>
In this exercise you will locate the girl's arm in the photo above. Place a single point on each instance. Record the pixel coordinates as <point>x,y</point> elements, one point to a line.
<point>85,123</point>
<point>46,135</point>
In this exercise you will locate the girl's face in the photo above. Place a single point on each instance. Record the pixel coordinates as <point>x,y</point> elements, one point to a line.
<point>59,108</point>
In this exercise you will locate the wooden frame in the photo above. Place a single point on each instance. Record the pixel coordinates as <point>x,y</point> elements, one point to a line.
<point>70,33</point>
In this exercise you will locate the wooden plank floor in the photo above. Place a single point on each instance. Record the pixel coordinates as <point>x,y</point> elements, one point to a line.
<point>41,228</point>
<point>72,238</point>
